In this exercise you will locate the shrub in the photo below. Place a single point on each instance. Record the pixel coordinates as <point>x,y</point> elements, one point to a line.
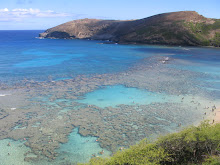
<point>193,145</point>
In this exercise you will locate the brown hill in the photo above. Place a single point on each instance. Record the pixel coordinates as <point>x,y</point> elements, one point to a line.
<point>176,28</point>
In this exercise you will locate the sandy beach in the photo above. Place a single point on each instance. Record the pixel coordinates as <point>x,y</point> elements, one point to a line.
<point>217,116</point>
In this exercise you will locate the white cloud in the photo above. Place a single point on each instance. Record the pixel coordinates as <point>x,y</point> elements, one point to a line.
<point>4,10</point>
<point>20,14</point>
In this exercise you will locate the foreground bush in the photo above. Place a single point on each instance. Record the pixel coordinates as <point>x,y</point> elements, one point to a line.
<point>214,160</point>
<point>142,153</point>
<point>194,145</point>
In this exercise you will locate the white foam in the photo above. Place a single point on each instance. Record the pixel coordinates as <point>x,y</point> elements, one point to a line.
<point>2,95</point>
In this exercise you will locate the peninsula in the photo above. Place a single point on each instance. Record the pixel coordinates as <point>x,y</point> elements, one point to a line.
<point>175,28</point>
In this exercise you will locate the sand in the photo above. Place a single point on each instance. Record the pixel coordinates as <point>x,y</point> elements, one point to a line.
<point>217,116</point>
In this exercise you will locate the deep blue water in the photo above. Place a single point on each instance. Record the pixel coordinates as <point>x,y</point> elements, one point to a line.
<point>25,56</point>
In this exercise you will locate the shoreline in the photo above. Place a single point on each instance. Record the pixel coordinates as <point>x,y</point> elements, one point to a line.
<point>217,116</point>
<point>132,43</point>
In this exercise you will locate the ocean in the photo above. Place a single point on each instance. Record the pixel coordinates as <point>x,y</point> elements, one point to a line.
<point>66,101</point>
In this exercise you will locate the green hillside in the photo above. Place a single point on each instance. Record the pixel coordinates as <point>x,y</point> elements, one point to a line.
<point>194,145</point>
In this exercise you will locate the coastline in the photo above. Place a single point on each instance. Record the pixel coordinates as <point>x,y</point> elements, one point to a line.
<point>217,115</point>
<point>132,43</point>
<point>52,100</point>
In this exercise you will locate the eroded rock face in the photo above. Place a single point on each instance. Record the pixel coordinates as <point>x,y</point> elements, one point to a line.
<point>177,28</point>
<point>44,35</point>
<point>58,34</point>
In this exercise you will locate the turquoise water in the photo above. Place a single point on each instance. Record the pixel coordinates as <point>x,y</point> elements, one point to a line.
<point>80,149</point>
<point>116,95</point>
<point>23,56</point>
<point>13,154</point>
<point>211,72</point>
<point>201,60</point>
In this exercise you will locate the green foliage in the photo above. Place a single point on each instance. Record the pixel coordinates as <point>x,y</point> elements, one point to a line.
<point>213,160</point>
<point>185,32</point>
<point>140,154</point>
<point>145,30</point>
<point>216,40</point>
<point>201,32</point>
<point>206,43</point>
<point>216,25</point>
<point>191,146</point>
<point>96,161</point>
<point>203,28</point>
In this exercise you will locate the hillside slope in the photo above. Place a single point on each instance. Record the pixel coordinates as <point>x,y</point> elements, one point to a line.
<point>192,146</point>
<point>176,28</point>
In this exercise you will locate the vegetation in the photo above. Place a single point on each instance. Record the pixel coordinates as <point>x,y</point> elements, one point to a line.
<point>203,28</point>
<point>185,32</point>
<point>146,30</point>
<point>194,145</point>
<point>176,28</point>
<point>201,32</point>
<point>216,40</point>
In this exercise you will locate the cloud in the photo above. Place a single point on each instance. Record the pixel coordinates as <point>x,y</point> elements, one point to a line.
<point>4,10</point>
<point>20,14</point>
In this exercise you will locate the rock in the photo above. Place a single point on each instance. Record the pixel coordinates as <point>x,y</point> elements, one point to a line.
<point>176,28</point>
<point>44,35</point>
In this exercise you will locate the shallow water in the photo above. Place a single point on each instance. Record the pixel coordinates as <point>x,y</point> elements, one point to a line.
<point>13,154</point>
<point>63,95</point>
<point>116,95</point>
<point>80,149</point>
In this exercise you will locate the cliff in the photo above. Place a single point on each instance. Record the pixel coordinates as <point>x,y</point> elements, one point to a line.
<point>176,28</point>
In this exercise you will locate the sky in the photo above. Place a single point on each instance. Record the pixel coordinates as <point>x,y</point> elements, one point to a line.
<point>44,14</point>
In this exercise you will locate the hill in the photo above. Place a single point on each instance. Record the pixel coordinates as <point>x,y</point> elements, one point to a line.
<point>176,28</point>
